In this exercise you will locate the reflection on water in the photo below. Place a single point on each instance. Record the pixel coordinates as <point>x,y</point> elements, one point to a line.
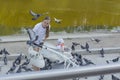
<point>89,14</point>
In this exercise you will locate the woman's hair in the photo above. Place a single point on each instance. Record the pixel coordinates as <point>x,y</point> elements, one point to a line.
<point>47,32</point>
<point>47,18</point>
<point>47,28</point>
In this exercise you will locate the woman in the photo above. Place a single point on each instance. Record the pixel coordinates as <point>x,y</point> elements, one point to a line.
<point>42,32</point>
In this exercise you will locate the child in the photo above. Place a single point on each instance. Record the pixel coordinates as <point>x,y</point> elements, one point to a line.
<point>60,44</point>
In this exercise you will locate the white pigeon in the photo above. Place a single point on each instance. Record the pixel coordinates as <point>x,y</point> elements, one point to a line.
<point>57,20</point>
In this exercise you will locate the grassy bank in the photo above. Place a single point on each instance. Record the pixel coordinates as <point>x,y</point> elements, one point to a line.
<point>14,14</point>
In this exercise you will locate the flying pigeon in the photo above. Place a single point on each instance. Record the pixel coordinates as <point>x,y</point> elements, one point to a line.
<point>35,15</point>
<point>32,36</point>
<point>57,20</point>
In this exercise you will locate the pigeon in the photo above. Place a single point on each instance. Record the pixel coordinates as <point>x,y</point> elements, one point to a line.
<point>102,52</point>
<point>18,59</point>
<point>57,20</point>
<point>12,69</point>
<point>5,60</point>
<point>96,40</point>
<point>75,43</point>
<point>32,37</point>
<point>26,62</point>
<point>113,60</point>
<point>87,47</point>
<point>48,65</point>
<point>116,59</point>
<point>35,15</point>
<point>5,52</point>
<point>82,47</point>
<point>114,77</point>
<point>80,56</point>
<point>79,59</point>
<point>23,66</point>
<point>107,62</point>
<point>1,52</point>
<point>88,61</point>
<point>73,47</point>
<point>26,69</point>
<point>101,77</point>
<point>19,69</point>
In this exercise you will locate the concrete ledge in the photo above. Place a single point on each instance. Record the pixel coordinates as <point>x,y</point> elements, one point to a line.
<point>5,39</point>
<point>83,52</point>
<point>110,50</point>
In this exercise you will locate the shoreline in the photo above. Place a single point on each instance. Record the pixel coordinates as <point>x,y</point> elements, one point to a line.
<point>56,35</point>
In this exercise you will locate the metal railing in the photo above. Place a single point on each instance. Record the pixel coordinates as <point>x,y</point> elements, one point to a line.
<point>64,73</point>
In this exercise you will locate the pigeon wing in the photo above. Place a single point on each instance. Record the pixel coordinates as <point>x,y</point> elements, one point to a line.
<point>32,13</point>
<point>31,34</point>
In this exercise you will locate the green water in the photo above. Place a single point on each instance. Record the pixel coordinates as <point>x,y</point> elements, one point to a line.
<point>14,14</point>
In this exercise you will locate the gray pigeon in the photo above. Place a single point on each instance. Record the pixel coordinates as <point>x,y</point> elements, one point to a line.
<point>12,69</point>
<point>6,52</point>
<point>18,60</point>
<point>5,60</point>
<point>114,77</point>
<point>107,62</point>
<point>73,47</point>
<point>19,69</point>
<point>74,44</point>
<point>87,47</point>
<point>82,47</point>
<point>35,15</point>
<point>116,59</point>
<point>88,62</point>
<point>1,52</point>
<point>96,40</point>
<point>32,36</point>
<point>101,77</point>
<point>102,52</point>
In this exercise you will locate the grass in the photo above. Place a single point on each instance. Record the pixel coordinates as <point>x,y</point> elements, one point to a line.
<point>14,14</point>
